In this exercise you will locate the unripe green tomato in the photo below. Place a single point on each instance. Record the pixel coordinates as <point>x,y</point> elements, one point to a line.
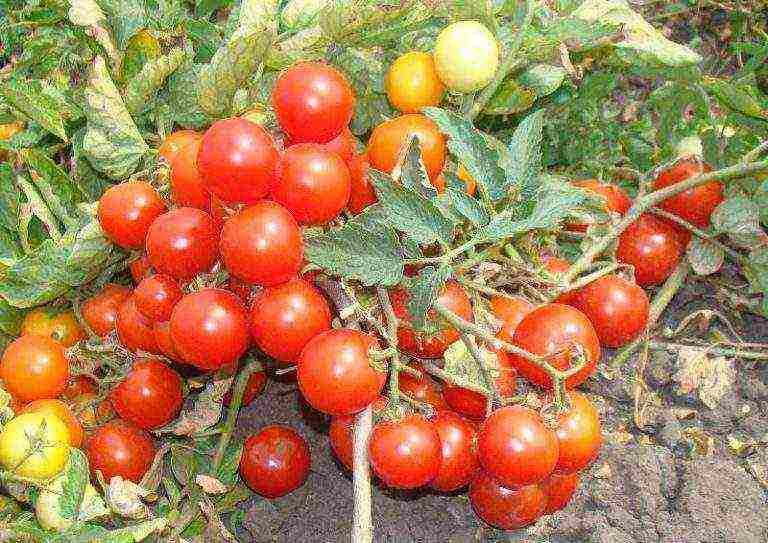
<point>466,56</point>
<point>47,509</point>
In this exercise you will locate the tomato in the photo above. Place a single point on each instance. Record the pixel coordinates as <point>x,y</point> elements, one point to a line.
<point>48,509</point>
<point>34,368</point>
<point>682,233</point>
<point>34,445</point>
<point>60,326</point>
<point>275,461</point>
<point>617,308</point>
<point>362,194</point>
<point>340,433</point>
<point>237,160</point>
<point>134,330</point>
<point>389,137</point>
<point>262,244</point>
<point>412,83</point>
<point>552,328</point>
<point>175,142</point>
<point>430,344</point>
<point>150,396</point>
<point>120,448</point>
<point>245,291</point>
<point>141,268</point>
<point>516,448</point>
<point>466,56</point>
<point>579,434</point>
<point>312,183</point>
<point>696,204</point>
<point>183,243</point>
<point>555,265</point>
<point>558,489</point>
<point>100,311</point>
<point>510,311</point>
<point>424,390</point>
<point>313,102</point>
<point>616,200</point>
<point>344,145</point>
<point>77,386</point>
<point>458,459</point>
<point>90,411</point>
<point>336,374</point>
<point>209,328</point>
<point>474,405</point>
<point>405,453</point>
<point>254,387</point>
<point>652,247</point>
<point>60,410</point>
<point>127,210</point>
<point>162,332</point>
<point>506,508</point>
<point>188,188</point>
<point>470,184</point>
<point>285,317</point>
<point>155,297</point>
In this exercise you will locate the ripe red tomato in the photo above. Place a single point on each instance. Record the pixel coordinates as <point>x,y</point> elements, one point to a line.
<point>77,386</point>
<point>516,448</point>
<point>558,489</point>
<point>506,508</point>
<point>34,368</point>
<point>579,434</point>
<point>510,311</point>
<point>617,308</point>
<point>552,328</point>
<point>313,102</point>
<point>425,344</point>
<point>163,338</point>
<point>134,330</point>
<point>156,295</point>
<point>100,311</point>
<point>335,372</point>
<point>285,317</point>
<point>312,183</point>
<point>340,433</point>
<point>616,200</point>
<point>389,137</point>
<point>344,145</point>
<point>262,244</point>
<point>127,210</point>
<point>140,268</point>
<point>175,142</point>
<point>188,188</point>
<point>59,325</point>
<point>682,233</point>
<point>275,461</point>
<point>652,247</point>
<point>209,328</point>
<point>63,412</point>
<point>255,386</point>
<point>237,160</point>
<point>405,453</point>
<point>183,243</point>
<point>424,390</point>
<point>362,194</point>
<point>473,404</point>
<point>694,205</point>
<point>458,460</point>
<point>149,396</point>
<point>120,448</point>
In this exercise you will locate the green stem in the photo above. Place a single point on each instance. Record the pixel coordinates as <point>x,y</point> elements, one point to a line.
<point>391,318</point>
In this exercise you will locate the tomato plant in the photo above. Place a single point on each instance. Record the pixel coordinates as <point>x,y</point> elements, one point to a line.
<point>340,433</point>
<point>183,243</point>
<point>126,212</point>
<point>150,396</point>
<point>275,461</point>
<point>388,138</point>
<point>120,448</point>
<point>506,508</point>
<point>34,368</point>
<point>255,386</point>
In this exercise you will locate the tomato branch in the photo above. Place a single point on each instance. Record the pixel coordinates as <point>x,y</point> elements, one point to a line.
<point>362,522</point>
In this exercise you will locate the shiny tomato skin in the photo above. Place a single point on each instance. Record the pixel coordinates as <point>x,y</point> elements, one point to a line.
<point>516,448</point>
<point>209,328</point>
<point>175,142</point>
<point>262,244</point>
<point>458,459</point>
<point>313,101</point>
<point>183,243</point>
<point>341,430</point>
<point>694,205</point>
<point>390,136</point>
<point>579,434</point>
<point>34,368</point>
<point>120,448</point>
<point>155,297</point>
<point>237,160</point>
<point>188,188</point>
<point>140,268</point>
<point>134,330</point>
<point>275,461</point>
<point>652,247</point>
<point>285,317</point>
<point>312,183</point>
<point>362,194</point>
<point>344,145</point>
<point>506,508</point>
<point>77,386</point>
<point>150,396</point>
<point>549,329</point>
<point>405,453</point>
<point>163,338</point>
<point>617,308</point>
<point>126,212</point>
<point>253,388</point>
<point>474,405</point>
<point>510,311</point>
<point>60,326</point>
<point>335,372</point>
<point>424,390</point>
<point>616,200</point>
<point>100,311</point>
<point>454,298</point>
<point>63,412</point>
<point>412,83</point>
<point>559,489</point>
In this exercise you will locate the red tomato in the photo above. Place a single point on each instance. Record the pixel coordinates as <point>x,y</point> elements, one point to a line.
<point>255,386</point>
<point>552,328</point>
<point>335,372</point>
<point>389,137</point>
<point>183,243</point>
<point>516,448</point>
<point>312,183</point>
<point>579,434</point>
<point>505,508</point>
<point>140,268</point>
<point>344,145</point>
<point>77,386</point>
<point>362,194</point>
<point>682,233</point>
<point>134,330</point>
<point>405,453</point>
<point>209,328</point>
<point>127,210</point>
<point>475,405</point>
<point>175,142</point>
<point>275,461</point>
<point>652,247</point>
<point>285,317</point>
<point>237,160</point>
<point>188,188</point>
<point>458,460</point>
<point>262,244</point>
<point>616,200</point>
<point>694,205</point>
<point>424,390</point>
<point>558,489</point>
<point>63,412</point>
<point>100,311</point>
<point>341,430</point>
<point>313,102</point>
<point>120,448</point>
<point>155,297</point>
<point>34,368</point>
<point>149,396</point>
<point>510,311</point>
<point>617,308</point>
<point>163,339</point>
<point>423,344</point>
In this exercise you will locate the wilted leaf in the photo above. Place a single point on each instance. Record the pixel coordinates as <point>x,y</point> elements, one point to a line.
<point>711,378</point>
<point>124,498</point>
<point>210,485</point>
<point>736,97</point>
<point>463,369</point>
<point>142,88</point>
<point>737,215</point>
<point>142,48</point>
<point>34,106</point>
<point>256,16</point>
<point>424,290</point>
<point>704,256</point>
<point>55,186</point>
<point>205,412</point>
<point>302,13</point>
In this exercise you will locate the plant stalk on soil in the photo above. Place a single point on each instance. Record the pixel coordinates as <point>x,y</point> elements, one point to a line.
<point>362,522</point>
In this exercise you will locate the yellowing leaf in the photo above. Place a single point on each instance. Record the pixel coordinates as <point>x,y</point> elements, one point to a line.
<point>711,378</point>
<point>124,498</point>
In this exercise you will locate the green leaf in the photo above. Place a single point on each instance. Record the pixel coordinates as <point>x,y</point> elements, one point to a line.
<point>143,87</point>
<point>736,97</point>
<point>9,198</point>
<point>467,206</point>
<point>142,48</point>
<point>182,96</point>
<point>424,290</point>
<point>525,152</point>
<point>256,16</point>
<point>125,18</point>
<point>704,256</point>
<point>737,215</point>
<point>230,463</point>
<point>463,369</point>
<point>543,79</point>
<point>301,13</point>
<point>206,38</point>
<point>34,106</point>
<point>510,98</point>
<point>473,10</point>
<point>89,182</point>
<point>76,478</point>
<point>10,318</point>
<point>55,186</point>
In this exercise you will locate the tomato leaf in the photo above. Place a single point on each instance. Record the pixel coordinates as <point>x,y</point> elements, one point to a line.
<point>143,87</point>
<point>89,182</point>
<point>510,98</point>
<point>301,13</point>
<point>142,48</point>
<point>35,106</point>
<point>206,38</point>
<point>56,187</point>
<point>523,169</point>
<point>230,463</point>
<point>424,290</point>
<point>182,96</point>
<point>469,10</point>
<point>704,256</point>
<point>466,206</point>
<point>10,318</point>
<point>462,368</point>
<point>543,79</point>
<point>76,478</point>
<point>256,15</point>
<point>737,97</point>
<point>737,215</point>
<point>125,18</point>
<point>9,199</point>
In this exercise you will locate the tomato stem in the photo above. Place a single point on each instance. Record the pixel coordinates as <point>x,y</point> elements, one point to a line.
<point>362,523</point>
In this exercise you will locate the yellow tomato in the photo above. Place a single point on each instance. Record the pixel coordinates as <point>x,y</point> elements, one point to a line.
<point>62,327</point>
<point>63,412</point>
<point>466,56</point>
<point>34,445</point>
<point>412,82</point>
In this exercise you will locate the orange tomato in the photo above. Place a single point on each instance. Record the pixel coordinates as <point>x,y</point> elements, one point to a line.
<point>175,142</point>
<point>60,326</point>
<point>412,82</point>
<point>389,137</point>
